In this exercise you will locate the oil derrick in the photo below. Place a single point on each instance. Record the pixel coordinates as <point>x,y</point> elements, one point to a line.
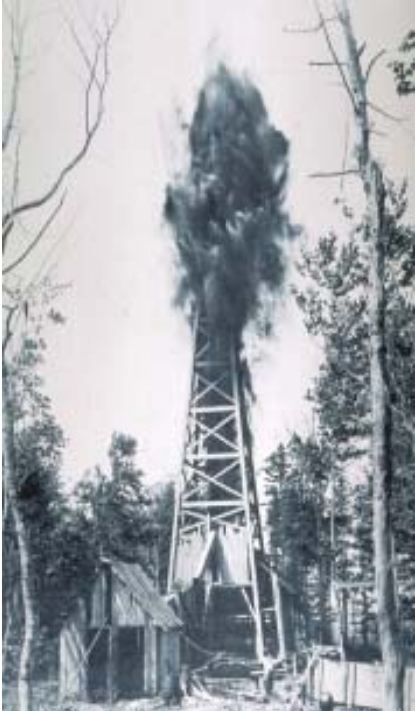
<point>217,553</point>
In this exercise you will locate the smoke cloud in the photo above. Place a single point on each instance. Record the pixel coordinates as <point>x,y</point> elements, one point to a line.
<point>227,212</point>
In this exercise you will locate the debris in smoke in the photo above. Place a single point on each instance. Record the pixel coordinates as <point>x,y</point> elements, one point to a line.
<point>227,212</point>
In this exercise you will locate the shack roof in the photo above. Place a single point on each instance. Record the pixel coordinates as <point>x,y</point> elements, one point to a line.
<point>140,587</point>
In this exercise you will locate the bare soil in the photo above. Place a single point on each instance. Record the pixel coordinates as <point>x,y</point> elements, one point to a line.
<point>189,704</point>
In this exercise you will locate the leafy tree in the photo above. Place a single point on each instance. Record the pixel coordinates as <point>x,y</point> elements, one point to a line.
<point>299,518</point>
<point>38,445</point>
<point>334,301</point>
<point>404,66</point>
<point>163,502</point>
<point>116,506</point>
<point>25,222</point>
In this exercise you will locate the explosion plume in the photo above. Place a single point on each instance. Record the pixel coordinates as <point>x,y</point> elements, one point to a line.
<point>227,212</point>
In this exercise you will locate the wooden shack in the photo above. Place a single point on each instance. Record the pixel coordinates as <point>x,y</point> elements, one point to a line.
<point>121,640</point>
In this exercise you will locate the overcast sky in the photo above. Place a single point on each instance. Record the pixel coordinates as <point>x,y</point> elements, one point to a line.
<point>122,360</point>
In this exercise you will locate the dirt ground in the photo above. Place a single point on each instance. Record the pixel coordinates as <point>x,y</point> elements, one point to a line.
<point>189,704</point>
<point>217,702</point>
<point>238,697</point>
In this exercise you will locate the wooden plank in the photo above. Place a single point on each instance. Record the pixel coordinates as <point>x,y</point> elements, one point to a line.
<point>191,527</point>
<point>109,617</point>
<point>321,678</point>
<point>248,603</point>
<point>229,514</point>
<point>199,569</point>
<point>210,480</point>
<point>259,641</point>
<point>222,455</point>
<point>178,489</point>
<point>409,690</point>
<point>211,386</point>
<point>210,503</point>
<point>224,469</point>
<point>211,363</point>
<point>213,433</point>
<point>147,657</point>
<point>206,409</point>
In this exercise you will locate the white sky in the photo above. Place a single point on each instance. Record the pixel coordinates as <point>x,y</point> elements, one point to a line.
<point>122,361</point>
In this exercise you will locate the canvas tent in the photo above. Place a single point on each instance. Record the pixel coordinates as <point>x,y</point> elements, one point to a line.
<point>120,641</point>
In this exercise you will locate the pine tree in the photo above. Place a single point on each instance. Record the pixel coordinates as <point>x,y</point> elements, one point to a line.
<point>334,302</point>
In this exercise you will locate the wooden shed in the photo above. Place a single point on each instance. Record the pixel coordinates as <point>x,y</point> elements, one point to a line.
<point>121,640</point>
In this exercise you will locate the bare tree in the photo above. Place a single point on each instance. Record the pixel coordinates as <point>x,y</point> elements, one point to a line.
<point>15,299</point>
<point>355,81</point>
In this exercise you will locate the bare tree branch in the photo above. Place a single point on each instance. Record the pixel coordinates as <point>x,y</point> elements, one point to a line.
<point>46,265</point>
<point>383,112</point>
<point>7,330</point>
<point>335,173</point>
<point>358,86</point>
<point>345,156</point>
<point>36,239</point>
<point>333,53</point>
<point>377,132</point>
<point>82,50</point>
<point>361,50</point>
<point>372,64</point>
<point>16,174</point>
<point>6,231</point>
<point>326,64</point>
<point>309,30</point>
<point>91,126</point>
<point>16,43</point>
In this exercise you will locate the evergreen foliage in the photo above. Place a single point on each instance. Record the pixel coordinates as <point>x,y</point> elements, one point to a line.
<point>333,299</point>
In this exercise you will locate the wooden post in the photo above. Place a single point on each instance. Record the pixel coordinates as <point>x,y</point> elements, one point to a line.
<point>251,552</point>
<point>147,656</point>
<point>345,680</point>
<point>178,492</point>
<point>109,617</point>
<point>110,688</point>
<point>344,622</point>
<point>295,664</point>
<point>321,677</point>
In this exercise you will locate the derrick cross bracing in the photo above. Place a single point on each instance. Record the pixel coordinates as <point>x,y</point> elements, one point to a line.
<point>217,541</point>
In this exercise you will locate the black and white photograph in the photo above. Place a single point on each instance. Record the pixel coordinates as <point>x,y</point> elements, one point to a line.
<point>208,355</point>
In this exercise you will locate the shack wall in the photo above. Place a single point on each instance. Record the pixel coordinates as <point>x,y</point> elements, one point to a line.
<point>98,641</point>
<point>125,610</point>
<point>150,657</point>
<point>98,601</point>
<point>170,657</point>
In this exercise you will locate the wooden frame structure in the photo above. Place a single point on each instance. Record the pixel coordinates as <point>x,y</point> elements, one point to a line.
<point>217,540</point>
<point>120,641</point>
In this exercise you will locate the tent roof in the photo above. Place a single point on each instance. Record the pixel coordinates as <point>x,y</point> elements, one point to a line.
<point>135,579</point>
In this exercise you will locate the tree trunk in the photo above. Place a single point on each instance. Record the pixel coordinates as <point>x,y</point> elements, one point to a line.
<point>322,570</point>
<point>387,612</point>
<point>9,474</point>
<point>373,184</point>
<point>279,613</point>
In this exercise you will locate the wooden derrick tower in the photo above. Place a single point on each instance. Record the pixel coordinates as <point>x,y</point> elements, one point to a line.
<point>217,546</point>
